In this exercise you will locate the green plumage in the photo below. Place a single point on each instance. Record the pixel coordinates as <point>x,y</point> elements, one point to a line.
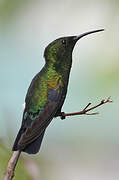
<point>46,94</point>
<point>37,96</point>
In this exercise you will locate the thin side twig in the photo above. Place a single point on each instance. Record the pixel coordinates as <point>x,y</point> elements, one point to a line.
<point>86,109</point>
<point>9,173</point>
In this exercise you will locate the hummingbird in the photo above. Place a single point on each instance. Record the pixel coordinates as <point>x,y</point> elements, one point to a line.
<point>46,93</point>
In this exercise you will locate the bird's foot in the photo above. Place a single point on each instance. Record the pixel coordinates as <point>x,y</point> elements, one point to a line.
<point>63,115</point>
<point>86,109</point>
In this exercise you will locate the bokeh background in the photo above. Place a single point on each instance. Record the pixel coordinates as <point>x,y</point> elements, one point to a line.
<point>85,147</point>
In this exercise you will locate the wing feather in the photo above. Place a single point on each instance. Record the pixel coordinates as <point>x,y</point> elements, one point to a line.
<point>36,127</point>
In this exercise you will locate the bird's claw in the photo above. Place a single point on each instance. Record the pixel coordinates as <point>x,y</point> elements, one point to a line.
<point>63,115</point>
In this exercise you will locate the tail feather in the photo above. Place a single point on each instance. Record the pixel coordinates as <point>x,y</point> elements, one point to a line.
<point>15,146</point>
<point>34,147</point>
<point>31,148</point>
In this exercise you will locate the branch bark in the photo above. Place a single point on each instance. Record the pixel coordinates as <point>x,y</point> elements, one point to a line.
<point>86,109</point>
<point>9,173</point>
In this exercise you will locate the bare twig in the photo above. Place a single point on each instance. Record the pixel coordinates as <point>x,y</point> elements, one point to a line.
<point>86,109</point>
<point>9,174</point>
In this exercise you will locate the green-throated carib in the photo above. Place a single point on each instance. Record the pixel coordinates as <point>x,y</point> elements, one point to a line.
<point>46,93</point>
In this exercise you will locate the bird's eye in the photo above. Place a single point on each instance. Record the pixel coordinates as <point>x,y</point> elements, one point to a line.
<point>64,42</point>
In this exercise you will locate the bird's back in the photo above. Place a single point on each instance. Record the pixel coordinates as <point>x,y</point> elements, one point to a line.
<point>43,88</point>
<point>44,99</point>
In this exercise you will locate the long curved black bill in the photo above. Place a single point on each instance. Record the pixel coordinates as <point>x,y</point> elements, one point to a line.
<point>84,34</point>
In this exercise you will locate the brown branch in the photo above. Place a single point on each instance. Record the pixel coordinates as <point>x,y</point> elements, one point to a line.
<point>9,173</point>
<point>86,109</point>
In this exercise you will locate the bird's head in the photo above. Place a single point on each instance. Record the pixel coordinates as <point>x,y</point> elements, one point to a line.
<point>62,48</point>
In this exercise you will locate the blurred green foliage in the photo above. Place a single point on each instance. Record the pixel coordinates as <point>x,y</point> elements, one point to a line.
<point>8,9</point>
